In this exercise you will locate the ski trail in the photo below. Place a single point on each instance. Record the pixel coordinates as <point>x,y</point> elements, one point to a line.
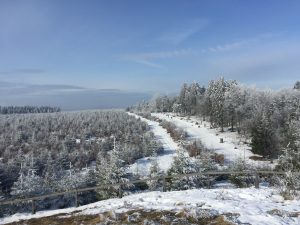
<point>232,149</point>
<point>164,160</point>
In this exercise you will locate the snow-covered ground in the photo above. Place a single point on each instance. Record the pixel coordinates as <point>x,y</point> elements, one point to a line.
<point>232,148</point>
<point>165,159</point>
<point>251,206</point>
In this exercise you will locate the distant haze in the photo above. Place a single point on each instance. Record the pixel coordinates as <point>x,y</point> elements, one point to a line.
<point>68,97</point>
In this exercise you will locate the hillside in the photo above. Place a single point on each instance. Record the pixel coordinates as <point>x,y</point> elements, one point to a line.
<point>238,206</point>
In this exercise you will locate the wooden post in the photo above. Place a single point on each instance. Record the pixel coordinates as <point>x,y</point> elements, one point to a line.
<point>120,194</point>
<point>164,185</point>
<point>76,199</point>
<point>33,210</point>
<point>209,183</point>
<point>221,140</point>
<point>256,180</point>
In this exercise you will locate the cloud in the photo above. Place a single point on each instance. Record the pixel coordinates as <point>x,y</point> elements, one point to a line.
<point>23,71</point>
<point>238,44</point>
<point>67,97</point>
<point>17,89</point>
<point>178,35</point>
<point>269,64</point>
<point>148,63</point>
<point>30,70</point>
<point>148,57</point>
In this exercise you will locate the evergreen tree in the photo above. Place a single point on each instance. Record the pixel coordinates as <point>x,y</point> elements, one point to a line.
<point>28,185</point>
<point>1,194</point>
<point>216,93</point>
<point>110,172</point>
<point>183,164</point>
<point>183,97</point>
<point>297,85</point>
<point>289,162</point>
<point>263,140</point>
<point>154,172</point>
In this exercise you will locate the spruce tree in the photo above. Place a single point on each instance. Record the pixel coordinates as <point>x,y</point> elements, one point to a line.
<point>154,172</point>
<point>183,164</point>
<point>109,172</point>
<point>297,85</point>
<point>28,185</point>
<point>263,140</point>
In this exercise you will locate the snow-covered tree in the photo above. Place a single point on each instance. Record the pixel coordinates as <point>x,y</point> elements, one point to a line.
<point>109,172</point>
<point>234,100</point>
<point>183,164</point>
<point>264,141</point>
<point>154,172</point>
<point>215,94</point>
<point>1,193</point>
<point>297,85</point>
<point>28,185</point>
<point>289,162</point>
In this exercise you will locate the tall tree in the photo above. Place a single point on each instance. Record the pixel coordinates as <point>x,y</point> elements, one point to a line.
<point>297,85</point>
<point>109,172</point>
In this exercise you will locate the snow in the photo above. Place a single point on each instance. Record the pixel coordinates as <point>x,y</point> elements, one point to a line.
<point>164,160</point>
<point>251,204</point>
<point>232,148</point>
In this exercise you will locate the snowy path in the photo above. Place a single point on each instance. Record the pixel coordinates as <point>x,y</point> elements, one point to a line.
<point>164,160</point>
<point>231,148</point>
<point>250,205</point>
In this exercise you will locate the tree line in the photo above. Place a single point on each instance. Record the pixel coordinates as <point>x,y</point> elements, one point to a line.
<point>28,109</point>
<point>269,119</point>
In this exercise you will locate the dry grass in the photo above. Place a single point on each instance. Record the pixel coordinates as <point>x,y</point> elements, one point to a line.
<point>257,158</point>
<point>138,216</point>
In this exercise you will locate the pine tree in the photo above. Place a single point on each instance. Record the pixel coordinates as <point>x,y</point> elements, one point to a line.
<point>297,85</point>
<point>154,172</point>
<point>1,193</point>
<point>28,185</point>
<point>263,140</point>
<point>216,93</point>
<point>110,172</point>
<point>182,164</point>
<point>182,98</point>
<point>289,162</point>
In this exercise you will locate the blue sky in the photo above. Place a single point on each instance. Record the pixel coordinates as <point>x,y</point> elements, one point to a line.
<point>151,45</point>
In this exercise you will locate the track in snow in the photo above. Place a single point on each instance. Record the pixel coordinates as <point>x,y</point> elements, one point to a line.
<point>232,149</point>
<point>142,166</point>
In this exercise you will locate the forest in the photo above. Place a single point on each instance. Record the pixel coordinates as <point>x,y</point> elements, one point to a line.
<point>51,152</point>
<point>269,119</point>
<point>28,109</point>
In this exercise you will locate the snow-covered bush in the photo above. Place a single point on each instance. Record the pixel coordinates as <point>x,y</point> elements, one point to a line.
<point>110,172</point>
<point>154,172</point>
<point>240,180</point>
<point>289,162</point>
<point>28,185</point>
<point>183,164</point>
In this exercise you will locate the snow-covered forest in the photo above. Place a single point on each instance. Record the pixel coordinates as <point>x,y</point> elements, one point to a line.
<point>46,153</point>
<point>270,119</point>
<point>28,109</point>
<point>169,136</point>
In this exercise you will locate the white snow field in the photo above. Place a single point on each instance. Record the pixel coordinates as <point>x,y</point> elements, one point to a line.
<point>249,205</point>
<point>232,148</point>
<point>164,160</point>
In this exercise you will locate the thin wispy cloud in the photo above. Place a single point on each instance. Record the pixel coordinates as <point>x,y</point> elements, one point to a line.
<point>238,44</point>
<point>148,63</point>
<point>178,35</point>
<point>148,58</point>
<point>270,64</point>
<point>23,71</point>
